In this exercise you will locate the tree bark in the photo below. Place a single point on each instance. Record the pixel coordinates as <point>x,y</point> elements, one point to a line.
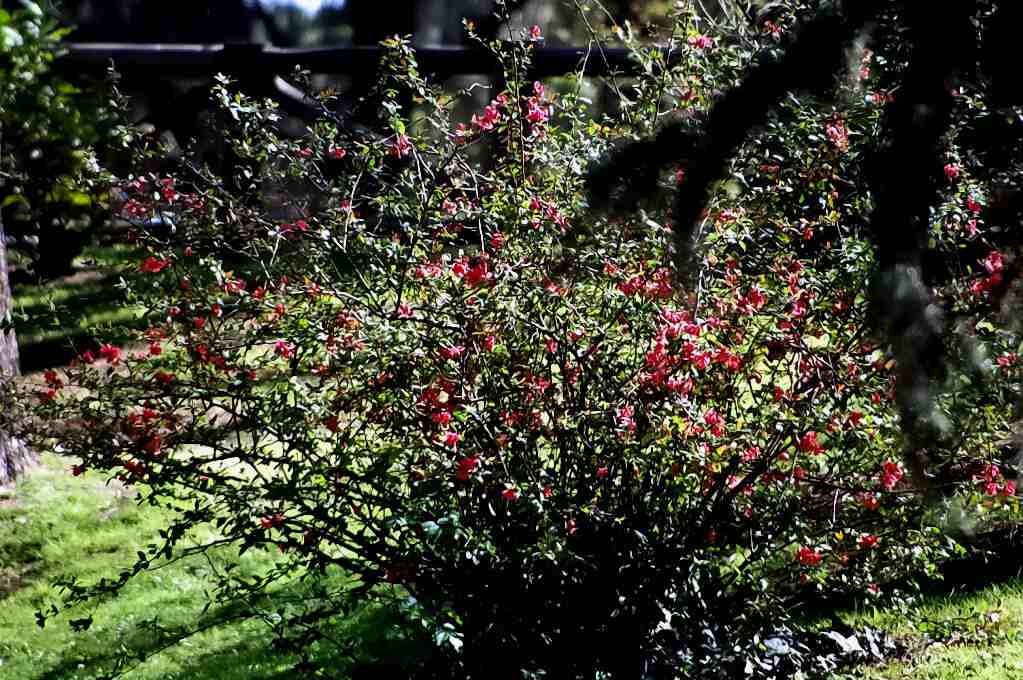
<point>14,455</point>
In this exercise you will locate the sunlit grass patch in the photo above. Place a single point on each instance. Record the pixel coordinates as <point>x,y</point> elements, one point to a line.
<point>56,525</point>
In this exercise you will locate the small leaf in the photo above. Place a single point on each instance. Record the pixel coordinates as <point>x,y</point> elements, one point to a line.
<point>9,38</point>
<point>32,8</point>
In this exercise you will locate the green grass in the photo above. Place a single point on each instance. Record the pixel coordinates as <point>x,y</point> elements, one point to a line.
<point>55,525</point>
<point>52,318</point>
<point>975,634</point>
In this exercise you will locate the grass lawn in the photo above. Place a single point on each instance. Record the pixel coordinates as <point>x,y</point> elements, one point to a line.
<point>52,318</point>
<point>976,634</point>
<point>54,524</point>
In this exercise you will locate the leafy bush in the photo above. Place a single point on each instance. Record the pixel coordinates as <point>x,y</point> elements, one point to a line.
<point>437,371</point>
<point>53,130</point>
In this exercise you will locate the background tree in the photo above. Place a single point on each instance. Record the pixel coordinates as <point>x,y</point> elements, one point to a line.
<point>13,454</point>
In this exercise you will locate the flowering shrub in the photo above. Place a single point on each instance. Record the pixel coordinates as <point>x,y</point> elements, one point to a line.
<point>449,378</point>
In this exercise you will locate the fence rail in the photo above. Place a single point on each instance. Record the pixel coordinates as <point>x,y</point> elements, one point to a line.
<point>258,60</point>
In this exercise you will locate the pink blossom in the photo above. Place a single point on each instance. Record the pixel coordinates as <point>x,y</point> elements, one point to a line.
<point>701,42</point>
<point>626,421</point>
<point>994,262</point>
<point>489,120</point>
<point>837,134</point>
<point>451,351</point>
<point>401,146</point>
<point>892,473</point>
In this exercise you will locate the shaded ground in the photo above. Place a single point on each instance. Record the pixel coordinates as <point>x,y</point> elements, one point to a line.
<point>56,525</point>
<point>55,320</point>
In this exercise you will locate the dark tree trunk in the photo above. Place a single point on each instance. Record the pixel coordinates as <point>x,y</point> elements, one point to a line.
<point>14,455</point>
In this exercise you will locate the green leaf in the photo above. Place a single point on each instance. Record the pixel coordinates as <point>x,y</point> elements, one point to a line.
<point>9,38</point>
<point>32,8</point>
<point>14,198</point>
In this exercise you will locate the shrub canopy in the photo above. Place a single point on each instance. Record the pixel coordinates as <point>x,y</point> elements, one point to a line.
<point>435,369</point>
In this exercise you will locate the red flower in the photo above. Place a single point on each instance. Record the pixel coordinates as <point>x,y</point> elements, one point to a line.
<point>626,421</point>
<point>869,541</point>
<point>401,146</point>
<point>336,153</point>
<point>152,265</point>
<point>715,421</point>
<point>452,352</point>
<point>808,556</point>
<point>891,474</point>
<point>153,445</point>
<point>284,349</point>
<point>535,33</point>
<point>451,438</point>
<point>272,521</point>
<point>837,134</point>
<point>808,443</point>
<point>490,118</point>
<point>951,172</point>
<point>603,472</point>
<point>110,353</point>
<point>994,262</point>
<point>869,501</point>
<point>701,42</point>
<point>511,495</point>
<point>466,467</point>
<point>479,274</point>
<point>441,417</point>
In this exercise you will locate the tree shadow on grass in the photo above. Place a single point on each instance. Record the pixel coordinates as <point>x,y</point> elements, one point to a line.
<point>233,643</point>
<point>56,322</point>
